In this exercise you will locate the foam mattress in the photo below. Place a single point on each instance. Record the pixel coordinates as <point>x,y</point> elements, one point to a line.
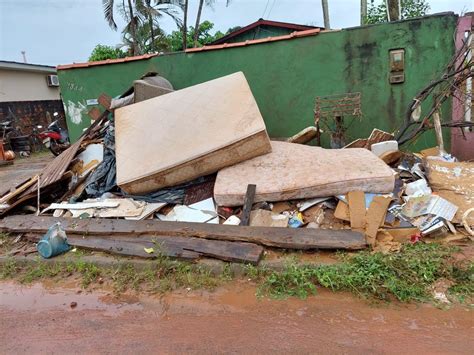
<point>294,171</point>
<point>177,137</point>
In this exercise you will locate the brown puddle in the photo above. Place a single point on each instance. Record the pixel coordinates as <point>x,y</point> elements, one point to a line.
<point>43,297</point>
<point>229,319</point>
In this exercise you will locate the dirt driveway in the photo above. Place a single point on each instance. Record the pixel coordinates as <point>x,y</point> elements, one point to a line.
<point>40,319</point>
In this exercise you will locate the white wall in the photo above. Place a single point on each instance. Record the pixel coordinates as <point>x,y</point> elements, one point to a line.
<point>25,86</point>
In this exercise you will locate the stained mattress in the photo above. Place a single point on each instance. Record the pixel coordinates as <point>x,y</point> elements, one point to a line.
<point>295,171</point>
<point>177,137</point>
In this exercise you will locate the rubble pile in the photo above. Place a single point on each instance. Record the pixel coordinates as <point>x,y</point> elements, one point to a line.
<point>193,173</point>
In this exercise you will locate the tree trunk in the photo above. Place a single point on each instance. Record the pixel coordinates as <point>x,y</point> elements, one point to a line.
<point>393,10</point>
<point>185,25</point>
<point>133,28</point>
<point>324,4</point>
<point>198,21</point>
<point>152,33</point>
<point>363,12</point>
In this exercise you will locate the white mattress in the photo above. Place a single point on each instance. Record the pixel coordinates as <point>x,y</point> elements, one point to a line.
<point>295,171</point>
<point>188,133</point>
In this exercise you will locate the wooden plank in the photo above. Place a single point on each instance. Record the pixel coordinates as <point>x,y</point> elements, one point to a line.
<point>375,217</point>
<point>19,190</point>
<point>178,247</point>
<point>356,200</point>
<point>288,238</point>
<point>123,247</point>
<point>248,202</point>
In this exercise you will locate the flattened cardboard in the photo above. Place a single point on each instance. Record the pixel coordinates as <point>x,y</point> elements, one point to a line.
<point>357,210</point>
<point>454,182</point>
<point>342,211</point>
<point>375,217</point>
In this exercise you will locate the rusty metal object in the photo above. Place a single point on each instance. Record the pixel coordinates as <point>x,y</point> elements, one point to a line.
<point>330,111</point>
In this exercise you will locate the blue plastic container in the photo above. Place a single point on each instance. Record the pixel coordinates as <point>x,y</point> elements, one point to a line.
<point>53,243</point>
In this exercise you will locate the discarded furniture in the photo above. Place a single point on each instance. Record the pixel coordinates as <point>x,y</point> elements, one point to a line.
<point>188,133</point>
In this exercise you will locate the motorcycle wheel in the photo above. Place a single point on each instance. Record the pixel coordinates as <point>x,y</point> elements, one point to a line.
<point>55,148</point>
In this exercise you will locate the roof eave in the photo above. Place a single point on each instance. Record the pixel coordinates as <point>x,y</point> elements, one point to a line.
<point>27,67</point>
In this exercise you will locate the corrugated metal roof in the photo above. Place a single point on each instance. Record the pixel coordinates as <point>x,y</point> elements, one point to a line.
<point>296,34</point>
<point>262,22</point>
<point>5,64</point>
<point>107,61</point>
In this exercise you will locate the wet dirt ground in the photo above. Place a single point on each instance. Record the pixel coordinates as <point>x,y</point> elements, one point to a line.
<point>22,169</point>
<point>45,318</point>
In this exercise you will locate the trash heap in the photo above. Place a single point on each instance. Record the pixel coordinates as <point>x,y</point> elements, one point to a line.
<point>193,173</point>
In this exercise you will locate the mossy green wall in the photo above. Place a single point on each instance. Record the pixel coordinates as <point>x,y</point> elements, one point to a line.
<point>286,76</point>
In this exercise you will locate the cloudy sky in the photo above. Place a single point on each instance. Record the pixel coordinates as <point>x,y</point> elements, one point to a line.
<point>65,31</point>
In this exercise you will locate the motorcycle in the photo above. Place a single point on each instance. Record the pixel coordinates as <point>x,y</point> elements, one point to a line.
<point>55,138</point>
<point>8,131</point>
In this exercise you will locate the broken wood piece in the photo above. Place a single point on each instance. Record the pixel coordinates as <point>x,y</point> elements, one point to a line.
<point>375,217</point>
<point>287,238</point>
<point>104,100</point>
<point>94,113</point>
<point>378,136</point>
<point>438,132</point>
<point>304,136</point>
<point>357,210</point>
<point>391,157</point>
<point>358,143</point>
<point>434,151</point>
<point>248,202</point>
<point>18,190</point>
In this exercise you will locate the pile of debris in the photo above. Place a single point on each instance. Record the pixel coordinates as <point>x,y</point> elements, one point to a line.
<point>193,173</point>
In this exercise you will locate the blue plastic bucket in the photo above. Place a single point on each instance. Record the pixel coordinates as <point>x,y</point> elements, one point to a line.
<point>52,243</point>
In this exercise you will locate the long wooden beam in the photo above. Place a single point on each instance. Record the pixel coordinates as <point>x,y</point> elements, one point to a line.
<point>176,247</point>
<point>287,238</point>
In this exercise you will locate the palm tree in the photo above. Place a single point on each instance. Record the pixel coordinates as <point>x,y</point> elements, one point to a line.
<point>137,12</point>
<point>145,41</point>
<point>185,25</point>
<point>198,17</point>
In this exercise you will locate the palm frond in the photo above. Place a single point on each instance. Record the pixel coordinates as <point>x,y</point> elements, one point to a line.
<point>108,6</point>
<point>175,15</point>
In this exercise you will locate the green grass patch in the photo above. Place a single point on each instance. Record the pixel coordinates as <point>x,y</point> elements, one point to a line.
<point>159,276</point>
<point>405,276</point>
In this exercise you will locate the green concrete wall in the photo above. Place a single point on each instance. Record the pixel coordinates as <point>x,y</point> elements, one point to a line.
<point>286,76</point>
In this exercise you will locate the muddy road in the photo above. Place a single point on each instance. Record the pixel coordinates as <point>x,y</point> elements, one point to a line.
<point>50,319</point>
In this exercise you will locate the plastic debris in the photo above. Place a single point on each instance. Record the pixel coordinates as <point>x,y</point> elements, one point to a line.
<point>53,243</point>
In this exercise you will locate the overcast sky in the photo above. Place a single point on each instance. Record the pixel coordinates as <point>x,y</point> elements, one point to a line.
<point>65,31</point>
